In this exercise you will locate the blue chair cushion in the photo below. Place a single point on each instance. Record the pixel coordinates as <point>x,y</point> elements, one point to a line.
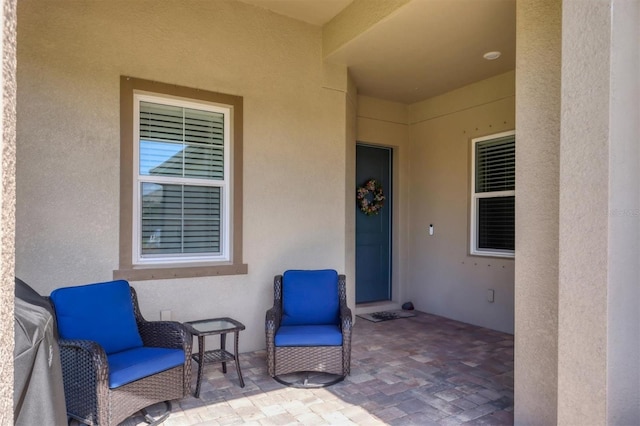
<point>308,335</point>
<point>101,312</point>
<point>310,297</point>
<point>133,364</point>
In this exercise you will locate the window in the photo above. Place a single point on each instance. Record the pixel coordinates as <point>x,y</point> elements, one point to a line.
<point>181,182</point>
<point>493,184</point>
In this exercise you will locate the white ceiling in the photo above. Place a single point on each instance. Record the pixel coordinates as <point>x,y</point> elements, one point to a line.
<point>425,48</point>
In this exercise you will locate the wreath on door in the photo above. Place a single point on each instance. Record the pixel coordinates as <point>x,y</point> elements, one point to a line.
<point>370,197</point>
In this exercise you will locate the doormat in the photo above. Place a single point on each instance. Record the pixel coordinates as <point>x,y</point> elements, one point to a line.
<point>386,315</point>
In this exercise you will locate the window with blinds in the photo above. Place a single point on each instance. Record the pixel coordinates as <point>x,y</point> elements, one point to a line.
<point>182,181</point>
<point>493,195</point>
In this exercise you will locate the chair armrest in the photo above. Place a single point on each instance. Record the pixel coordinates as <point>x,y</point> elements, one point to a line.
<point>272,324</point>
<point>85,374</point>
<point>272,321</point>
<point>165,334</point>
<point>274,315</point>
<point>346,319</point>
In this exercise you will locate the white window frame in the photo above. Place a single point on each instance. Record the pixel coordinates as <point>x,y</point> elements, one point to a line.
<point>475,197</point>
<point>224,185</point>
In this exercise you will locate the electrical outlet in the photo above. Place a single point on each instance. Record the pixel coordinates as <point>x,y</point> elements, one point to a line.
<point>490,296</point>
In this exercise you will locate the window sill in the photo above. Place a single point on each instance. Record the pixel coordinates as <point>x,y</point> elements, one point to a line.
<point>496,255</point>
<point>143,273</point>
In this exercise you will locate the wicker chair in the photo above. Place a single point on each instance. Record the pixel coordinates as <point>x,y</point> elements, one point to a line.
<point>109,376</point>
<point>308,329</point>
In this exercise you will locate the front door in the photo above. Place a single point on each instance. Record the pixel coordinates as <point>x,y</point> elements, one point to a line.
<point>373,230</point>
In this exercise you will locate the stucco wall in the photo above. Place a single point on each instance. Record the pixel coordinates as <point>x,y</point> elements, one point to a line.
<point>444,279</point>
<point>537,230</point>
<point>71,55</point>
<point>584,186</point>
<point>599,321</point>
<point>7,208</point>
<point>623,341</point>
<point>577,316</point>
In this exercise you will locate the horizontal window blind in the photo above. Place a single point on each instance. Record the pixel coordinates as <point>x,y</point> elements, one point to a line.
<point>181,142</point>
<point>180,219</point>
<point>495,165</point>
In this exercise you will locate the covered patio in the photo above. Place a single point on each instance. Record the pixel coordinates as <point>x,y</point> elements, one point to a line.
<point>422,370</point>
<point>569,295</point>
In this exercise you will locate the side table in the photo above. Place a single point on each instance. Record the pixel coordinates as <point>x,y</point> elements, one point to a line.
<point>213,326</point>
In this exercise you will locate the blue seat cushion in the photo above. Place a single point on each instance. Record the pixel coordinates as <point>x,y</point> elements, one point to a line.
<point>101,312</point>
<point>308,335</point>
<point>310,297</point>
<point>133,364</point>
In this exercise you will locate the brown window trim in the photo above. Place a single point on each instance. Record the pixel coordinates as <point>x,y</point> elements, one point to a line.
<point>129,86</point>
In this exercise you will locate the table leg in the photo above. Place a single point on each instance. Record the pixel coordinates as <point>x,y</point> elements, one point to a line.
<point>237,358</point>
<point>200,364</point>
<point>223,343</point>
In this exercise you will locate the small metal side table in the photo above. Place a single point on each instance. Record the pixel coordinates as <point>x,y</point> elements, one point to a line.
<point>208,327</point>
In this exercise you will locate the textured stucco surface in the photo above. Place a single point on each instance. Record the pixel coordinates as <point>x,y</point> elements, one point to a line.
<point>584,181</point>
<point>623,327</point>
<point>71,57</point>
<point>491,90</point>
<point>355,19</point>
<point>577,318</point>
<point>537,210</point>
<point>445,279</point>
<point>7,208</point>
<point>599,320</point>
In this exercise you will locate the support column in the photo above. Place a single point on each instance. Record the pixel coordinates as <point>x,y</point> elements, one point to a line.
<point>598,380</point>
<point>538,60</point>
<point>7,208</point>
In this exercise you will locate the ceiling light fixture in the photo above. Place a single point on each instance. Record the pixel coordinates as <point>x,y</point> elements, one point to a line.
<point>490,56</point>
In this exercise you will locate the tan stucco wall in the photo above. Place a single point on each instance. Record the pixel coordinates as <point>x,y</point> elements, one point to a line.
<point>355,19</point>
<point>584,182</point>
<point>7,208</point>
<point>444,279</point>
<point>623,294</point>
<point>577,316</point>
<point>599,320</point>
<point>71,56</point>
<point>537,204</point>
<point>384,123</point>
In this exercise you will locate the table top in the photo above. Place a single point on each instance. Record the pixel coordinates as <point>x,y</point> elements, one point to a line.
<point>213,326</point>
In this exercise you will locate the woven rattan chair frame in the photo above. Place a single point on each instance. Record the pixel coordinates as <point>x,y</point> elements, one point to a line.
<point>293,359</point>
<point>86,375</point>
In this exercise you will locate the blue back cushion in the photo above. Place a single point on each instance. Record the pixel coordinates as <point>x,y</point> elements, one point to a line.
<point>310,297</point>
<point>100,312</point>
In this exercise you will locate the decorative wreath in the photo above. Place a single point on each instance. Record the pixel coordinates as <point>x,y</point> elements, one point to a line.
<point>370,197</point>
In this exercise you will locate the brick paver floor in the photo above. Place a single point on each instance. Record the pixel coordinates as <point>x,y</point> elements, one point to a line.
<point>424,370</point>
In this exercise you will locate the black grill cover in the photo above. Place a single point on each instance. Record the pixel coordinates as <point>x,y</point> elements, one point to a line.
<point>38,392</point>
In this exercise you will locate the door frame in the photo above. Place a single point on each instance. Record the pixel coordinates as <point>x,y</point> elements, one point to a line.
<point>392,221</point>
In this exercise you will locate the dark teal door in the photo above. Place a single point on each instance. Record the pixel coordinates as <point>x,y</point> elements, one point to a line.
<point>373,232</point>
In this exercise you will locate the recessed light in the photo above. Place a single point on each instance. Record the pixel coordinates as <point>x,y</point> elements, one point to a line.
<point>490,56</point>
